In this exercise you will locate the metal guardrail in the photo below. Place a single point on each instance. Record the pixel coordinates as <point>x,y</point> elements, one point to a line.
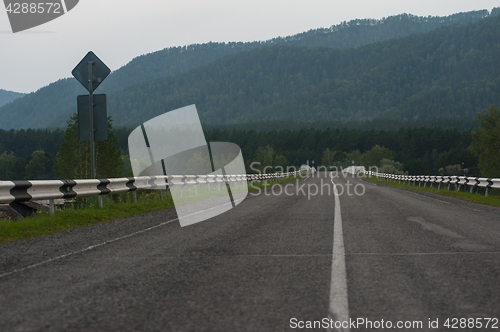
<point>22,191</point>
<point>472,182</point>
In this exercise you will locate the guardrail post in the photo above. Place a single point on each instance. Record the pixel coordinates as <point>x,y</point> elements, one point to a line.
<point>99,198</point>
<point>195,189</point>
<point>486,192</point>
<point>51,207</point>
<point>471,189</point>
<point>134,195</point>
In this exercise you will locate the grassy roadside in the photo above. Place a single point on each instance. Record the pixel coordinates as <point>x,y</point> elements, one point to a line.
<point>41,224</point>
<point>492,199</point>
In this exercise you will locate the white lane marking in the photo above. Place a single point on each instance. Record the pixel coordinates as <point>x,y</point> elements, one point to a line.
<point>86,249</point>
<point>100,244</point>
<point>339,307</point>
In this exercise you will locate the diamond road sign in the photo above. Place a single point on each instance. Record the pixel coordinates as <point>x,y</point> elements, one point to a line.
<point>99,71</point>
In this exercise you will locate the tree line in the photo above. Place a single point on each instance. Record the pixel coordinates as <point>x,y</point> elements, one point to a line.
<point>45,154</point>
<point>422,151</point>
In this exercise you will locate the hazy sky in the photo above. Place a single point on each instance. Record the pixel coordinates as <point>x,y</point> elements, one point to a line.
<point>119,30</point>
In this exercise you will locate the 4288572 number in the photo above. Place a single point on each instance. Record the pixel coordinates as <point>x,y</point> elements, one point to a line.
<point>471,323</point>
<point>34,8</point>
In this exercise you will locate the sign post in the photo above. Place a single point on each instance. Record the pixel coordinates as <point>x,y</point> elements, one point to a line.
<point>100,117</point>
<point>91,112</point>
<point>90,72</point>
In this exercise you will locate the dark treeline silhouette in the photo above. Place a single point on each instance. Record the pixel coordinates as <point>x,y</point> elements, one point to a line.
<point>421,150</point>
<point>36,148</point>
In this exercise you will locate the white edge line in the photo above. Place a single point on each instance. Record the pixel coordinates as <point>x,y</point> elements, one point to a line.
<point>100,244</point>
<point>104,243</point>
<point>87,249</point>
<point>339,306</point>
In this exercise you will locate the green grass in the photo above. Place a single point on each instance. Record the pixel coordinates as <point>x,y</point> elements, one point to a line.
<point>42,223</point>
<point>493,198</point>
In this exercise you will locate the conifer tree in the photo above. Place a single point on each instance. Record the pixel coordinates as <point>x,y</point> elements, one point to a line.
<point>73,159</point>
<point>486,142</point>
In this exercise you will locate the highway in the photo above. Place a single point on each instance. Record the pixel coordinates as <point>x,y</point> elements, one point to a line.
<point>277,261</point>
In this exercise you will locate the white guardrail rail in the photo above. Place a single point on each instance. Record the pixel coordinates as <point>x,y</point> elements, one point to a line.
<point>22,191</point>
<point>466,181</point>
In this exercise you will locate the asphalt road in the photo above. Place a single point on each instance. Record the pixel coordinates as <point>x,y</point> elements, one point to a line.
<point>405,256</point>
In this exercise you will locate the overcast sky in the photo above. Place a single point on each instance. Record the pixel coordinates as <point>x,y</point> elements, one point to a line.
<point>119,30</point>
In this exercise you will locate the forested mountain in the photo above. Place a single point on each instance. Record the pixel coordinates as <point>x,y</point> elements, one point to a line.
<point>52,105</point>
<point>461,124</point>
<point>422,151</point>
<point>352,34</point>
<point>30,154</point>
<point>20,148</point>
<point>361,32</point>
<point>8,96</point>
<point>449,72</point>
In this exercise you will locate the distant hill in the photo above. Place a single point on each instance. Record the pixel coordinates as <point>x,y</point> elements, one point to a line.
<point>449,72</point>
<point>352,34</point>
<point>8,96</point>
<point>51,106</point>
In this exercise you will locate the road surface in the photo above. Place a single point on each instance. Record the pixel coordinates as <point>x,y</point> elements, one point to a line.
<point>270,264</point>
